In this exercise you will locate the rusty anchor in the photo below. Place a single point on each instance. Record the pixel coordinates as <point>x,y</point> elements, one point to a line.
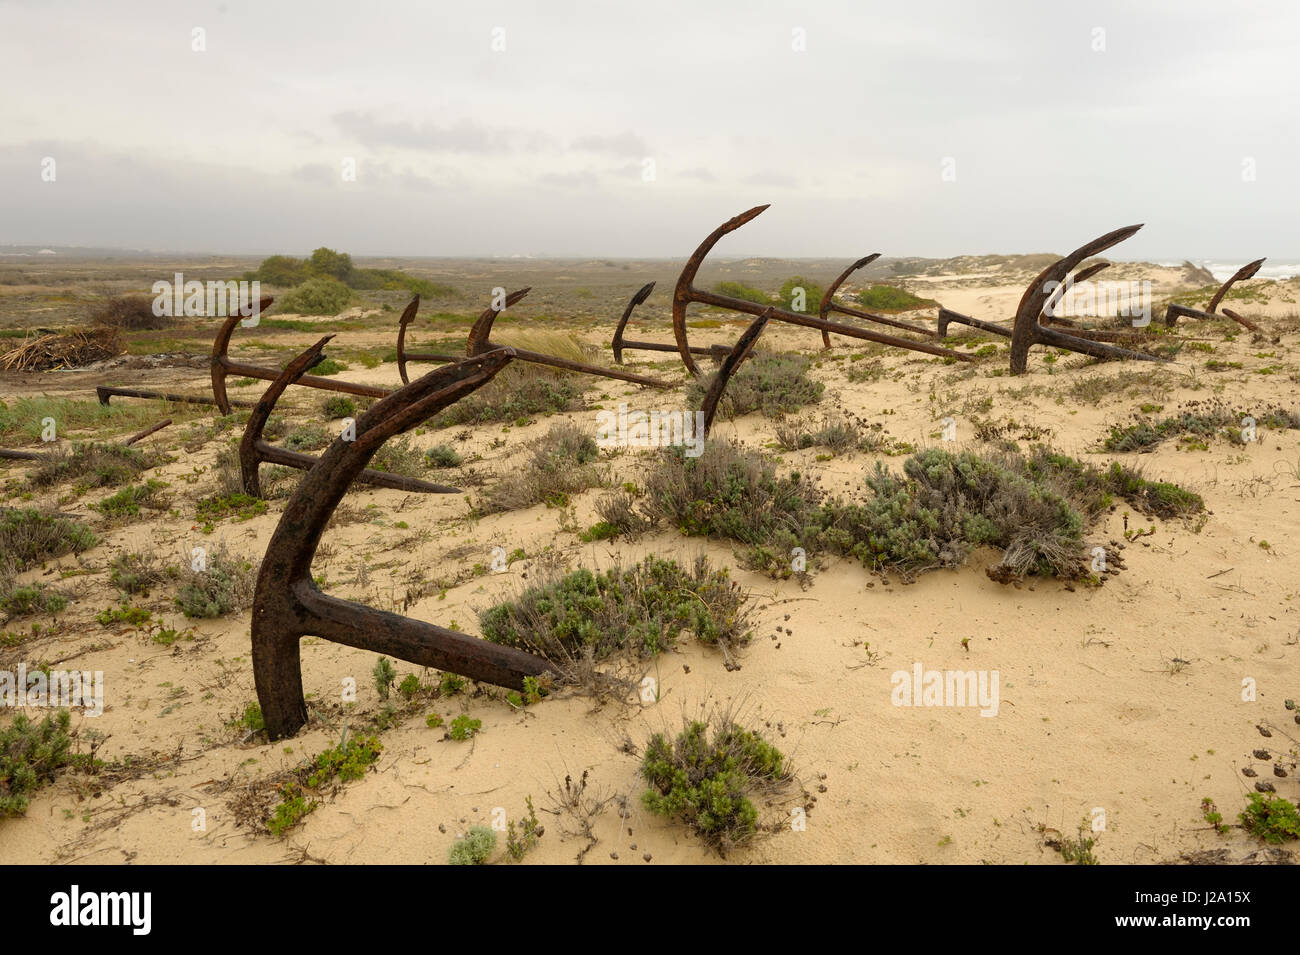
<point>223,365</point>
<point>1029,329</point>
<point>288,605</point>
<point>1247,271</point>
<point>828,305</point>
<point>715,352</point>
<point>685,293</point>
<point>254,449</point>
<point>479,341</point>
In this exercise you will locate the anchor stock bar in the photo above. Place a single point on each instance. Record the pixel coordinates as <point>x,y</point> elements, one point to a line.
<point>685,293</point>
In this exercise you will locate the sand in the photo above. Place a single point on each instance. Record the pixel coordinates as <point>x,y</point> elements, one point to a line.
<point>1095,712</point>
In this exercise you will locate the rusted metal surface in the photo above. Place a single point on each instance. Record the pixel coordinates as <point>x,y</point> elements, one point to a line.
<point>619,344</point>
<point>947,316</point>
<point>254,450</point>
<point>828,305</point>
<point>1028,331</point>
<point>1047,318</point>
<point>479,341</point>
<point>105,392</point>
<point>288,605</point>
<point>685,293</point>
<point>408,316</point>
<point>1247,271</point>
<point>141,435</point>
<point>739,352</point>
<point>223,366</point>
<point>1240,319</point>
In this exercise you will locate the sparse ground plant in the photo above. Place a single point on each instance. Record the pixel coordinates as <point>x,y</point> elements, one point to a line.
<point>240,506</point>
<point>518,392</point>
<point>137,572</point>
<point>834,432</point>
<point>642,610</point>
<point>709,777</point>
<point>773,383</point>
<point>384,674</point>
<point>29,537</point>
<point>561,463</point>
<point>91,465</point>
<point>224,587</point>
<point>31,755</point>
<point>464,727</point>
<point>523,835</point>
<point>25,601</point>
<point>443,456</point>
<point>1271,818</point>
<point>474,848</point>
<point>339,406</point>
<point>399,456</point>
<point>126,503</point>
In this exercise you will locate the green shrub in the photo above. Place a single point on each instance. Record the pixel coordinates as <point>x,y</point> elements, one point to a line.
<point>309,437</point>
<point>127,502</point>
<point>93,465</point>
<point>516,397</point>
<point>560,464</point>
<point>812,295</point>
<point>1035,508</point>
<point>474,849</point>
<point>707,783</point>
<point>31,754</point>
<point>1271,818</point>
<point>316,296</point>
<point>642,609</point>
<point>463,727</point>
<point>225,587</point>
<point>443,456</point>
<point>774,383</point>
<point>742,291</point>
<point>339,406</point>
<point>890,298</point>
<point>29,537</point>
<point>31,599</point>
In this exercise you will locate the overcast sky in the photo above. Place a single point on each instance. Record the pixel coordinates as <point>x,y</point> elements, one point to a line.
<point>914,128</point>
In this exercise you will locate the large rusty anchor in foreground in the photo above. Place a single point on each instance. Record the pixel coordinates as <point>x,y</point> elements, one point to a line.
<point>686,293</point>
<point>1247,271</point>
<point>479,341</point>
<point>1028,329</point>
<point>288,605</point>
